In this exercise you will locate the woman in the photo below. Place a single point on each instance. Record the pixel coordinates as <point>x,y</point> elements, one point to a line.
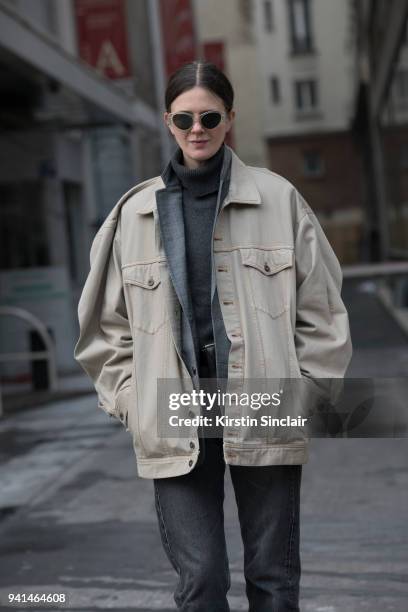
<point>217,270</point>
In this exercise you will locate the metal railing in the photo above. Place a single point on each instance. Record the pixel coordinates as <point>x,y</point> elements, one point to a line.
<point>372,270</point>
<point>48,353</point>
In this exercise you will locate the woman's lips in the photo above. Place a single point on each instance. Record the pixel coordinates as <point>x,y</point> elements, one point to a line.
<point>198,143</point>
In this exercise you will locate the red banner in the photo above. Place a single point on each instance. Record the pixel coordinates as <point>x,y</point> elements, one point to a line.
<point>178,36</point>
<point>102,38</point>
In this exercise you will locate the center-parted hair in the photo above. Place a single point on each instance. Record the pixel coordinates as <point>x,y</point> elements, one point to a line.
<point>203,74</point>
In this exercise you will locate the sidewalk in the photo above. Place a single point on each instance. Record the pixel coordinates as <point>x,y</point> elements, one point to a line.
<point>77,519</point>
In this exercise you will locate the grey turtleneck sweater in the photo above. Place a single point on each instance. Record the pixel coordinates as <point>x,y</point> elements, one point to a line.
<point>200,189</point>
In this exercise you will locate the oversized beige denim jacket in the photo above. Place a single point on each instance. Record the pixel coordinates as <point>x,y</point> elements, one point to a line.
<point>278,282</point>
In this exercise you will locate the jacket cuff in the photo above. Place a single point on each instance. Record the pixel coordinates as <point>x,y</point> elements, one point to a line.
<point>122,405</point>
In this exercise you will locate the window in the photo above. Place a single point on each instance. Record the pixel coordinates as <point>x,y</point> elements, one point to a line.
<point>313,165</point>
<point>23,226</point>
<point>306,95</point>
<point>268,15</point>
<point>300,26</point>
<point>74,224</point>
<point>275,89</point>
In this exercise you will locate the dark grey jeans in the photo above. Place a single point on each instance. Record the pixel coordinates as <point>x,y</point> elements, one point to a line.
<point>191,520</point>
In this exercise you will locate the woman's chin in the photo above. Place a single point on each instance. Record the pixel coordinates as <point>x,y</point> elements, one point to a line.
<point>201,152</point>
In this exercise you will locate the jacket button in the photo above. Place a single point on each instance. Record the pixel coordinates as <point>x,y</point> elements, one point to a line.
<point>150,281</point>
<point>267,268</point>
<point>190,463</point>
<point>121,415</point>
<point>194,370</point>
<point>192,445</point>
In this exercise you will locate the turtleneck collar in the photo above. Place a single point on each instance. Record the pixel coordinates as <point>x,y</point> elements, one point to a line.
<point>202,180</point>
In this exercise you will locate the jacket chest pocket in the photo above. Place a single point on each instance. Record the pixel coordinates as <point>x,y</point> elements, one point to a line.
<point>144,296</point>
<point>268,273</point>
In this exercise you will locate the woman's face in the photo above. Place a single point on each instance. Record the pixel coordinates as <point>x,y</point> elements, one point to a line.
<point>199,143</point>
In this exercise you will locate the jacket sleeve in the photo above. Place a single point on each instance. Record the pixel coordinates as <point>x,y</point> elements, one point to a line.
<point>322,336</point>
<point>105,346</point>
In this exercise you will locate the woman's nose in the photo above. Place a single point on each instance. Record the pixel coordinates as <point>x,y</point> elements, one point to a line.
<point>197,127</point>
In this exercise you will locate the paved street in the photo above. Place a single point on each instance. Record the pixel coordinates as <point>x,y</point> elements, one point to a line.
<point>76,519</point>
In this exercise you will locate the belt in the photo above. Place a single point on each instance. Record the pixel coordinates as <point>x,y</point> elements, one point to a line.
<point>208,364</point>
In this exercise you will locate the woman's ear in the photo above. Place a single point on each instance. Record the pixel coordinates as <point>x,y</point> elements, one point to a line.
<point>231,116</point>
<point>166,121</point>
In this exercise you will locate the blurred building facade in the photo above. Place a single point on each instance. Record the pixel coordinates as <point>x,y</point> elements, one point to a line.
<point>293,67</point>
<point>307,64</point>
<point>78,112</point>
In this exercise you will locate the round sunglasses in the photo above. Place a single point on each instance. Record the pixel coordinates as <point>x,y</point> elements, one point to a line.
<point>184,120</point>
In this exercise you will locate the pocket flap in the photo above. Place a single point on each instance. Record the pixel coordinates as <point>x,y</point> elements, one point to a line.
<point>267,261</point>
<point>146,275</point>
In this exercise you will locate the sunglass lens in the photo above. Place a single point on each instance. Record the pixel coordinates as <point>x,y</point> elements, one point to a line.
<point>211,120</point>
<point>182,121</point>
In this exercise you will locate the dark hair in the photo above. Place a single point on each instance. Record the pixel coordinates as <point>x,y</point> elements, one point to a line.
<point>204,74</point>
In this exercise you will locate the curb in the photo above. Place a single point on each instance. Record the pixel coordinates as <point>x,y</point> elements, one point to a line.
<point>20,402</point>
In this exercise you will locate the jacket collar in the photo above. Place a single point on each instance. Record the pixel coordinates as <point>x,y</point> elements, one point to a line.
<point>242,187</point>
